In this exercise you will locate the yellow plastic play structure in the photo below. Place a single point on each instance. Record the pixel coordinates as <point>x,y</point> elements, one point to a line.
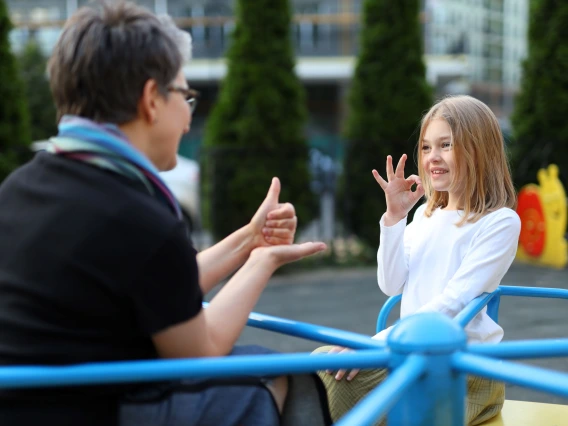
<point>542,209</point>
<point>521,413</point>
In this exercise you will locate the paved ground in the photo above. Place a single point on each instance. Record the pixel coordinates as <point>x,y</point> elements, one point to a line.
<point>351,299</point>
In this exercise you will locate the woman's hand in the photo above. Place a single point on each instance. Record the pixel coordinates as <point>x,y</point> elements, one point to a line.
<point>341,373</point>
<point>398,193</point>
<point>274,223</point>
<point>280,255</point>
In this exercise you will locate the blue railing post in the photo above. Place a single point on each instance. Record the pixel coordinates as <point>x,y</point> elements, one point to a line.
<point>437,398</point>
<point>493,305</point>
<point>385,312</point>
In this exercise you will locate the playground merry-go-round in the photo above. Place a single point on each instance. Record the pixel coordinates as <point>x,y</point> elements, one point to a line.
<point>427,355</point>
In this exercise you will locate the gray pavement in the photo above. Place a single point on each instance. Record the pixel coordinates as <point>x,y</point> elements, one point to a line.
<point>350,299</point>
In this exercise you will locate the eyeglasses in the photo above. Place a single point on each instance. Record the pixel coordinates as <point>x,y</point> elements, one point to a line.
<point>190,95</point>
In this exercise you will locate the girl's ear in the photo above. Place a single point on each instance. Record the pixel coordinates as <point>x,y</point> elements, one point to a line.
<point>149,102</point>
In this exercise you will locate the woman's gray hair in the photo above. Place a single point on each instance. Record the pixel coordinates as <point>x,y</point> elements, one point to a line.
<point>106,54</point>
<point>181,38</point>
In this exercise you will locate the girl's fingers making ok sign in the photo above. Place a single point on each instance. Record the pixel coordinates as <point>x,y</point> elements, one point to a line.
<point>398,190</point>
<point>391,173</point>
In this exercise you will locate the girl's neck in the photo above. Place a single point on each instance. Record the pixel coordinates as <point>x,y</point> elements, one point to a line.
<point>454,203</point>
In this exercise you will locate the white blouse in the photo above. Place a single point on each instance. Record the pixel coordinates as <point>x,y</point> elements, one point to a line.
<point>441,267</point>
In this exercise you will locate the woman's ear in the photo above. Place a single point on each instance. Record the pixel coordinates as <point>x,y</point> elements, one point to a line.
<point>149,102</point>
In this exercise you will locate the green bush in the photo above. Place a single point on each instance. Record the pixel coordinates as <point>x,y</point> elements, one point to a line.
<point>14,121</point>
<point>388,97</point>
<point>540,125</point>
<point>255,130</point>
<point>38,94</point>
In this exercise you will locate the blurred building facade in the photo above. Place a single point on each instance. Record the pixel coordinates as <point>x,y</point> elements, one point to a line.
<point>471,46</point>
<point>492,34</point>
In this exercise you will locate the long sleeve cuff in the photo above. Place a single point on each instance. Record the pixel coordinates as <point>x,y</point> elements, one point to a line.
<point>394,228</point>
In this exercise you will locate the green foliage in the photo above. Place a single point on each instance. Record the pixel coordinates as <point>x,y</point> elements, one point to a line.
<point>388,97</point>
<point>14,121</point>
<point>255,130</point>
<point>38,94</point>
<point>540,127</point>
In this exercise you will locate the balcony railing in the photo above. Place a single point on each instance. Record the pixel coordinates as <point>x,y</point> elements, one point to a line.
<point>319,27</point>
<point>312,35</point>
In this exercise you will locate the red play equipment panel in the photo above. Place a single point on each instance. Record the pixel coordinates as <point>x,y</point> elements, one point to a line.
<point>533,226</point>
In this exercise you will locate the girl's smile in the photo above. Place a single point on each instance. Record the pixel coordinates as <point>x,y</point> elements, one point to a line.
<point>436,172</point>
<point>438,160</point>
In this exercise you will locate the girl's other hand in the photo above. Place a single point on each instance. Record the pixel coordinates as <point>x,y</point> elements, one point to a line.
<point>398,191</point>
<point>341,373</point>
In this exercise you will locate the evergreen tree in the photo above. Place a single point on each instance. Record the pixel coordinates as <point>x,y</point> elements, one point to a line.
<point>540,125</point>
<point>255,130</point>
<point>38,94</point>
<point>14,122</point>
<point>388,97</point>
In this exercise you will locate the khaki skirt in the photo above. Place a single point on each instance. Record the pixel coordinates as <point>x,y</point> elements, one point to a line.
<point>484,398</point>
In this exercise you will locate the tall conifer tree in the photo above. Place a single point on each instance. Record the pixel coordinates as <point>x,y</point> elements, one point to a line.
<point>388,97</point>
<point>14,121</point>
<point>540,124</point>
<point>256,129</point>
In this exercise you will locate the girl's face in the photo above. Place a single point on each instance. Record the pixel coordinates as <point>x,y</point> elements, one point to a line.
<point>438,160</point>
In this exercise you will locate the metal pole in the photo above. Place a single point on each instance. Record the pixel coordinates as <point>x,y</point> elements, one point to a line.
<point>522,349</point>
<point>537,378</point>
<point>437,397</point>
<point>194,368</point>
<point>375,405</point>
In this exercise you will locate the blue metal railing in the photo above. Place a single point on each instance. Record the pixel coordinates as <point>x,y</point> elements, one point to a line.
<point>318,333</point>
<point>536,378</point>
<point>491,300</point>
<point>523,349</point>
<point>426,355</point>
<point>474,307</point>
<point>158,370</point>
<point>380,400</point>
<point>386,310</point>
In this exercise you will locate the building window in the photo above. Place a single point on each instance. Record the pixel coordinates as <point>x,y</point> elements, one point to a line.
<point>37,11</point>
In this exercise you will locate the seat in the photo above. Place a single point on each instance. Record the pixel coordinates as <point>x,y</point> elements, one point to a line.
<point>523,413</point>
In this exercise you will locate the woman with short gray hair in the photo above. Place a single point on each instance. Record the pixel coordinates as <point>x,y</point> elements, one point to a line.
<point>96,263</point>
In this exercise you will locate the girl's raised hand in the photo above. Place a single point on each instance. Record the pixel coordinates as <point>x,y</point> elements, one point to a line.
<point>398,193</point>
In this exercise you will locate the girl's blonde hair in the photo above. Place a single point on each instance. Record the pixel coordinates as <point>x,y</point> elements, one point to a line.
<point>482,169</point>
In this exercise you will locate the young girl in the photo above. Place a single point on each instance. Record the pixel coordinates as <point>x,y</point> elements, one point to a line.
<point>459,245</point>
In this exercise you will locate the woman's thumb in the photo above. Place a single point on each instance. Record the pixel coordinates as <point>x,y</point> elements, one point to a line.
<point>273,191</point>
